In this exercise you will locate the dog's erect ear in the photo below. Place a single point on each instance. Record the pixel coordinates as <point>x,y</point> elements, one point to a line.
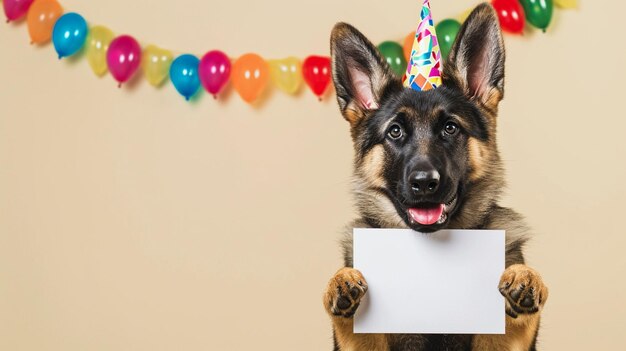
<point>362,78</point>
<point>476,61</point>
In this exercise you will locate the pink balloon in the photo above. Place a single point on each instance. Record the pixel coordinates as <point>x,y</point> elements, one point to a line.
<point>16,9</point>
<point>123,58</point>
<point>214,71</point>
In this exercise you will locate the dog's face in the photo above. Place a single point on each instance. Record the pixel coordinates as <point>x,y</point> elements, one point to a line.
<point>419,156</point>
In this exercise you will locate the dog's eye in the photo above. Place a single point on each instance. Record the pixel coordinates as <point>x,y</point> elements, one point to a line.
<point>451,128</point>
<point>395,132</point>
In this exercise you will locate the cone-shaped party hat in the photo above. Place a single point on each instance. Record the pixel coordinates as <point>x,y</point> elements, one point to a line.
<point>424,69</point>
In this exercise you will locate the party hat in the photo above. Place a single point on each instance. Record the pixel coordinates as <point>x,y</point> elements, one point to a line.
<point>423,71</point>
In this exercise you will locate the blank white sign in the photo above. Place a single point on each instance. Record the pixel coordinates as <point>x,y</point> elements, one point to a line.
<point>445,282</point>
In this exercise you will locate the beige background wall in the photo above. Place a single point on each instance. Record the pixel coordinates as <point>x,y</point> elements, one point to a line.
<point>131,220</point>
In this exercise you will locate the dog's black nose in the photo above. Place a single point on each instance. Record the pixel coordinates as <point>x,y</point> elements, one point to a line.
<point>424,181</point>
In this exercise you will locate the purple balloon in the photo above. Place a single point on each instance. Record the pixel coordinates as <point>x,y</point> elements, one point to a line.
<point>16,9</point>
<point>123,58</point>
<point>214,71</point>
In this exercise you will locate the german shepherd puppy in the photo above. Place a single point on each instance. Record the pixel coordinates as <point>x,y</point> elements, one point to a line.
<point>427,161</point>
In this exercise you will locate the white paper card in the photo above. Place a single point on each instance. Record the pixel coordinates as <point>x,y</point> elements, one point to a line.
<point>445,282</point>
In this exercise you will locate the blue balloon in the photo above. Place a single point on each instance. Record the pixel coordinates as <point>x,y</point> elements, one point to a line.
<point>184,75</point>
<point>69,34</point>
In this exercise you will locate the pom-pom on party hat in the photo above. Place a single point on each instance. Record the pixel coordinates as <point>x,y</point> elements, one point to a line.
<point>424,69</point>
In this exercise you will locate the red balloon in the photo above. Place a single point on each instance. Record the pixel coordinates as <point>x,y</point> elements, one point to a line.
<point>316,72</point>
<point>16,9</point>
<point>123,58</point>
<point>510,14</point>
<point>214,71</point>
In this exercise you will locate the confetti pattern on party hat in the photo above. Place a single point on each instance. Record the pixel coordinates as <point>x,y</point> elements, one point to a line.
<point>424,69</point>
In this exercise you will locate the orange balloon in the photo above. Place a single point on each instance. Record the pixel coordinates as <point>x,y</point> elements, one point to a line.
<point>408,45</point>
<point>249,76</point>
<point>41,18</point>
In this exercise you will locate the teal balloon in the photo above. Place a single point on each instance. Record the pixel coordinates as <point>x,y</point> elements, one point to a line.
<point>69,34</point>
<point>538,12</point>
<point>184,75</point>
<point>392,52</point>
<point>446,33</point>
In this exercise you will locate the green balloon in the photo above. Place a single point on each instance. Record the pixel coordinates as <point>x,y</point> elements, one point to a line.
<point>392,52</point>
<point>446,33</point>
<point>538,12</point>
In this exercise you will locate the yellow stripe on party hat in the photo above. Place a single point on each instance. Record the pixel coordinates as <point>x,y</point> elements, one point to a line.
<point>424,69</point>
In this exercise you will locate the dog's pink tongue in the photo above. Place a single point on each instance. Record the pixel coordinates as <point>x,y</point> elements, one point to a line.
<point>426,216</point>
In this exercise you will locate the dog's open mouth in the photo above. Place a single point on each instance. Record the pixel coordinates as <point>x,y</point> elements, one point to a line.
<point>427,214</point>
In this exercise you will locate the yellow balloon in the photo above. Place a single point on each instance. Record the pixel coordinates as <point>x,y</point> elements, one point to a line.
<point>155,63</point>
<point>286,74</point>
<point>566,4</point>
<point>98,42</point>
<point>464,15</point>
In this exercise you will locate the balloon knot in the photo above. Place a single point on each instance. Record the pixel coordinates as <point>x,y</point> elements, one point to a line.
<point>186,98</point>
<point>214,96</point>
<point>544,30</point>
<point>60,57</point>
<point>119,85</point>
<point>32,42</point>
<point>8,20</point>
<point>319,98</point>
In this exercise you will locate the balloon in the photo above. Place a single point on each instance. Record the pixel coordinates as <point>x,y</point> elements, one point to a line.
<point>41,18</point>
<point>464,15</point>
<point>287,74</point>
<point>446,33</point>
<point>69,34</point>
<point>538,12</point>
<point>214,71</point>
<point>249,76</point>
<point>123,58</point>
<point>510,14</point>
<point>184,75</point>
<point>316,72</point>
<point>98,41</point>
<point>155,63</point>
<point>394,54</point>
<point>16,9</point>
<point>407,45</point>
<point>566,4</point>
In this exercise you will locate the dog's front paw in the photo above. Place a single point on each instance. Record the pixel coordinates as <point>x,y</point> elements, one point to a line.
<point>344,292</point>
<point>523,289</point>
